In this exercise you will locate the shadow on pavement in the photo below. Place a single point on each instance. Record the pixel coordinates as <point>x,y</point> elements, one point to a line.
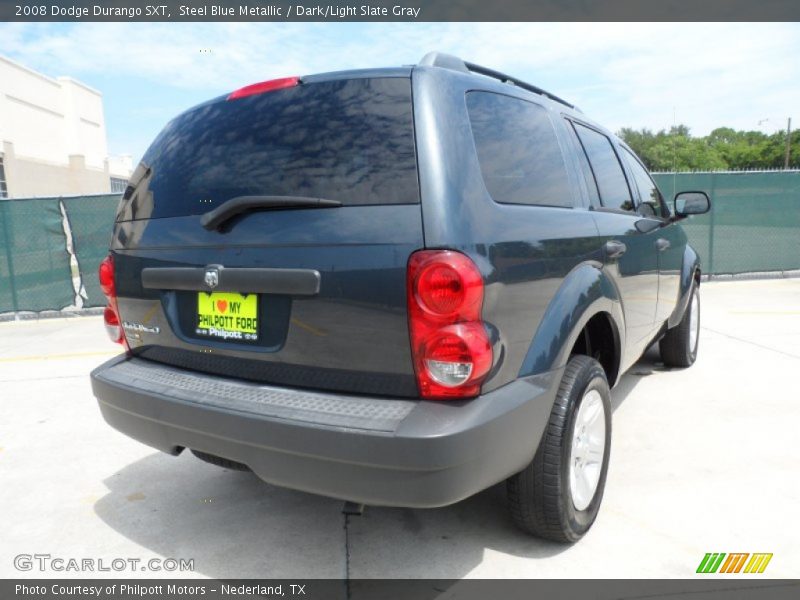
<point>647,365</point>
<point>450,542</point>
<point>235,526</point>
<point>231,523</point>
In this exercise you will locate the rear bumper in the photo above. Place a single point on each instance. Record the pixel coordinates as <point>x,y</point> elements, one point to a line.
<point>376,451</point>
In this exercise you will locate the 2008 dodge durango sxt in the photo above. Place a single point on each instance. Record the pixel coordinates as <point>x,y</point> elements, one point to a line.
<point>395,287</point>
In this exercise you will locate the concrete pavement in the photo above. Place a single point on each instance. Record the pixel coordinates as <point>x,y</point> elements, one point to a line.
<point>703,460</point>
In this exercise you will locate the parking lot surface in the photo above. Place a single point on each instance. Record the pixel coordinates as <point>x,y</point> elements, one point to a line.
<point>703,460</point>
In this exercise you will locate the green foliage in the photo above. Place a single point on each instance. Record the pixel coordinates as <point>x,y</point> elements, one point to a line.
<point>723,148</point>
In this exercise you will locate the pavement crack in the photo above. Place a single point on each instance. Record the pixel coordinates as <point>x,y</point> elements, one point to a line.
<point>346,555</point>
<point>54,377</point>
<point>756,344</point>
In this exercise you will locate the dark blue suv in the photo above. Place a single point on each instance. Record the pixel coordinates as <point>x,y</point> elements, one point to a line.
<point>394,287</point>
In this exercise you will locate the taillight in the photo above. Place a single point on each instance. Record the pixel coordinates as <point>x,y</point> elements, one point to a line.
<point>111,320</point>
<point>106,276</point>
<point>111,313</point>
<point>451,350</point>
<point>264,86</point>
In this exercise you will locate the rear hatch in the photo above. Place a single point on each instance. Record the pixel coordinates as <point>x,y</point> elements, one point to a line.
<point>300,281</point>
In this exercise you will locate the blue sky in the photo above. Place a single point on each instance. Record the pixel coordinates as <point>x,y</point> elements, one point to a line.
<point>621,74</point>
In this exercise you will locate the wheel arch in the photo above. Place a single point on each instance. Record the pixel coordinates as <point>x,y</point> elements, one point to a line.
<point>600,340</point>
<point>587,295</point>
<point>690,275</point>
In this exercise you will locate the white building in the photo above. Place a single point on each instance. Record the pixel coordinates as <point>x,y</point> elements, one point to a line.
<point>53,137</point>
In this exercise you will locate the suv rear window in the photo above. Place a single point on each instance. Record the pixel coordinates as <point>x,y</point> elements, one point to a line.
<point>347,140</point>
<point>521,161</point>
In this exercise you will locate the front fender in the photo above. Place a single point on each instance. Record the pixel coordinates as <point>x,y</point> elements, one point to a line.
<point>691,265</point>
<point>585,291</point>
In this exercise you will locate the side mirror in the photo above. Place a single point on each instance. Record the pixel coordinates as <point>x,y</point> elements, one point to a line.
<point>691,203</point>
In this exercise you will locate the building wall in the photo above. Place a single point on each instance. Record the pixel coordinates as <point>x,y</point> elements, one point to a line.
<point>52,135</point>
<point>26,178</point>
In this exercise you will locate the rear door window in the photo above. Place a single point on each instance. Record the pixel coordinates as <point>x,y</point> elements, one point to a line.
<point>606,169</point>
<point>651,202</point>
<point>520,159</point>
<point>346,140</point>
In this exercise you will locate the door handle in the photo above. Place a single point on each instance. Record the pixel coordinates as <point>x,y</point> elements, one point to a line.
<point>614,249</point>
<point>662,244</point>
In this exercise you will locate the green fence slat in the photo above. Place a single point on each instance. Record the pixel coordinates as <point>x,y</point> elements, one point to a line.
<point>91,220</point>
<point>755,226</point>
<point>755,220</point>
<point>34,270</point>
<point>8,293</point>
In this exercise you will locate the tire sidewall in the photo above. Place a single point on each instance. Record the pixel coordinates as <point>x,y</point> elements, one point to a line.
<point>579,521</point>
<point>692,352</point>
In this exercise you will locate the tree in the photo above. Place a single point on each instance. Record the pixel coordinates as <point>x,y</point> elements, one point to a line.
<point>723,148</point>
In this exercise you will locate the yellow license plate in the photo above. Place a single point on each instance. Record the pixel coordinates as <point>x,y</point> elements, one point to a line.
<point>227,316</point>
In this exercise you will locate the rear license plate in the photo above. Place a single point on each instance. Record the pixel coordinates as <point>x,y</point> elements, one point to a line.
<point>227,316</point>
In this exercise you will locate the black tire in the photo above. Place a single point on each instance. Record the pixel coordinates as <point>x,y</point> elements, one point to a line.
<point>220,462</point>
<point>676,345</point>
<point>539,497</point>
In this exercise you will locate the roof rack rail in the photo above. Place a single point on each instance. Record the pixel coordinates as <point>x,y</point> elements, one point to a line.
<point>448,61</point>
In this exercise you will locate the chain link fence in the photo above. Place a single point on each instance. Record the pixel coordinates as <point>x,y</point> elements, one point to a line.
<point>754,223</point>
<point>34,262</point>
<point>90,222</point>
<point>50,248</point>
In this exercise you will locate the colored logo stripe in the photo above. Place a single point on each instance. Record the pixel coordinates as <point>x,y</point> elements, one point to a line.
<point>758,563</point>
<point>712,562</point>
<point>734,562</point>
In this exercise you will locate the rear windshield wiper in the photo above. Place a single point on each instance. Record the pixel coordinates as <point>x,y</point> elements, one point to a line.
<point>235,206</point>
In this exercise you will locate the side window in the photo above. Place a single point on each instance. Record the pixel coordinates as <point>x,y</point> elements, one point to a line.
<point>606,168</point>
<point>651,200</point>
<point>519,155</point>
<point>580,155</point>
<point>118,185</point>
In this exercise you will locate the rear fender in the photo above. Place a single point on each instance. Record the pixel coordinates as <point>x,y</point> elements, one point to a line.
<point>585,292</point>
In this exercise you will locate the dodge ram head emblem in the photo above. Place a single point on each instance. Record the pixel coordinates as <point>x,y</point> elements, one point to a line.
<point>212,278</point>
